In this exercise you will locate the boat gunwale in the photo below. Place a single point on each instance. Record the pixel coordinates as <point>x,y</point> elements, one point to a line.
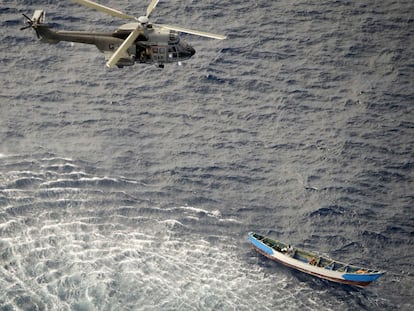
<point>315,254</point>
<point>325,273</point>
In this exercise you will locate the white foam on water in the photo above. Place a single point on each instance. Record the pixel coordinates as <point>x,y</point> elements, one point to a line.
<point>57,159</point>
<point>192,210</point>
<point>62,250</point>
<point>148,265</point>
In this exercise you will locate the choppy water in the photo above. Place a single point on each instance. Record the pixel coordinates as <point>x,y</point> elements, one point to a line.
<point>135,189</point>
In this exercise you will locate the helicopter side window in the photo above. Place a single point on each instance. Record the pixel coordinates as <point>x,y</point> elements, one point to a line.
<point>159,54</point>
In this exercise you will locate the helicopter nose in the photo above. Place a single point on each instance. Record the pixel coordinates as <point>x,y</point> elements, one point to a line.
<point>191,50</point>
<point>185,50</point>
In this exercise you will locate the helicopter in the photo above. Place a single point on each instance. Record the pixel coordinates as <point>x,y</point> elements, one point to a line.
<point>139,41</point>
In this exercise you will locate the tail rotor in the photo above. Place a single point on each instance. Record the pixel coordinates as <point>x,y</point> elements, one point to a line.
<point>38,18</point>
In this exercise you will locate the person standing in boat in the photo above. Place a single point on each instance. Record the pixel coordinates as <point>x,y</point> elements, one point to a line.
<point>288,249</point>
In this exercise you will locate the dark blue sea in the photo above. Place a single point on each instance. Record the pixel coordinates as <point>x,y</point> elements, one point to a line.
<point>135,188</point>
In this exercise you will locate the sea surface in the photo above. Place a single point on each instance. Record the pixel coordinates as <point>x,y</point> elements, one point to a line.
<point>135,188</point>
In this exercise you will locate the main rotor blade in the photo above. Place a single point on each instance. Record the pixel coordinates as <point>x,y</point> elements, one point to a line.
<point>193,32</point>
<point>151,7</point>
<point>27,17</point>
<point>105,9</point>
<point>124,47</point>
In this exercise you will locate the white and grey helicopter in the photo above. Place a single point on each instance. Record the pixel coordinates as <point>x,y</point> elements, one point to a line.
<point>139,41</point>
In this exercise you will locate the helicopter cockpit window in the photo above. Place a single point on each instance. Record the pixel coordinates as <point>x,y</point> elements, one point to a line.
<point>172,52</point>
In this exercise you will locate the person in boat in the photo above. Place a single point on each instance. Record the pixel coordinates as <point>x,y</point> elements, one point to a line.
<point>290,250</point>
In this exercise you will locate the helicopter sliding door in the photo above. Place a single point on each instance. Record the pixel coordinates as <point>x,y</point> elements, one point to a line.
<point>159,54</point>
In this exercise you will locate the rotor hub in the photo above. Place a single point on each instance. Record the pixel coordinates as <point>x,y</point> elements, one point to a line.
<point>143,20</point>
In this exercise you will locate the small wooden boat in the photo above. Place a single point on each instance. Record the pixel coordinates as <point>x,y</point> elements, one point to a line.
<point>312,263</point>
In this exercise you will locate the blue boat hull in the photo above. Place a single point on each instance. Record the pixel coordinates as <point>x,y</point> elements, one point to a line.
<point>272,249</point>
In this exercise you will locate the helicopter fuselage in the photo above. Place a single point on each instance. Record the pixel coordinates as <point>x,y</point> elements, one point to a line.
<point>139,41</point>
<point>152,46</point>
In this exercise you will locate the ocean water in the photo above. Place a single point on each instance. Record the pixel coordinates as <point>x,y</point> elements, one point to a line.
<point>135,189</point>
